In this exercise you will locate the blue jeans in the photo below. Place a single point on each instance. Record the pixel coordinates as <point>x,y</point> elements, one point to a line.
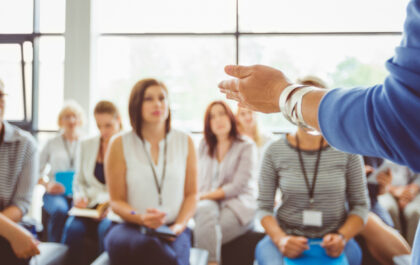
<point>57,207</point>
<point>267,253</point>
<point>382,213</point>
<point>75,231</point>
<point>126,245</point>
<point>416,247</point>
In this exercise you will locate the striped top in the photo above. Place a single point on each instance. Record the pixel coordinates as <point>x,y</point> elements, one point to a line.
<point>340,189</point>
<point>18,168</point>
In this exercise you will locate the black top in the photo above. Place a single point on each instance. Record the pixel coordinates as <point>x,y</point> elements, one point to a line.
<point>99,172</point>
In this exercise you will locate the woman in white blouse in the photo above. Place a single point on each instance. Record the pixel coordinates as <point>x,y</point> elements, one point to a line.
<point>59,153</point>
<point>151,175</point>
<point>89,183</point>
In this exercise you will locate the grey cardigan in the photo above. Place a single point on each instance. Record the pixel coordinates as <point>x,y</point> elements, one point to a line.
<point>236,177</point>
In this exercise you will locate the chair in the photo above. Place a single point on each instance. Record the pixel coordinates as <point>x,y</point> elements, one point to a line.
<point>51,254</point>
<point>197,257</point>
<point>241,250</point>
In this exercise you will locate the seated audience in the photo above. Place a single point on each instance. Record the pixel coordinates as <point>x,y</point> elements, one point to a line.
<point>18,175</point>
<point>89,184</point>
<point>227,163</point>
<point>402,199</point>
<point>324,196</point>
<point>59,153</point>
<point>151,176</point>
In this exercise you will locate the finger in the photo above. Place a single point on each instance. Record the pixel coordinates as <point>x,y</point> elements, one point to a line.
<point>238,71</point>
<point>228,85</point>
<point>233,95</point>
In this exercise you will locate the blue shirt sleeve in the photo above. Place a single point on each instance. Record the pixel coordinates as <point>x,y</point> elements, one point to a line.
<point>383,120</point>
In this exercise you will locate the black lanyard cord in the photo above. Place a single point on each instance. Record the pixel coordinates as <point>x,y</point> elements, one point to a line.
<point>159,186</point>
<point>311,190</point>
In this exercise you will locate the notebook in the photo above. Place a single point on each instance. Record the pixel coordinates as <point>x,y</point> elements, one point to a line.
<point>94,213</point>
<point>316,255</point>
<point>66,179</point>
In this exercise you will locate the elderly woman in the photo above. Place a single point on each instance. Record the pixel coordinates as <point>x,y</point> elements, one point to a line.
<point>60,154</point>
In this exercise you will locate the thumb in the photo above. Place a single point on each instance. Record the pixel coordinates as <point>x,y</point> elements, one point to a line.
<point>238,71</point>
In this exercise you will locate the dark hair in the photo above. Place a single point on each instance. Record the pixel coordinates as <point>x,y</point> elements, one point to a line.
<point>107,107</point>
<point>209,136</point>
<point>135,104</point>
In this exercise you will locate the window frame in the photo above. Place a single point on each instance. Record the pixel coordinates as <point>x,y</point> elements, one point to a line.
<point>238,34</point>
<point>29,123</point>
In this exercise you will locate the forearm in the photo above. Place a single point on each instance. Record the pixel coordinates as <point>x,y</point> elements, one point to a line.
<point>126,212</point>
<point>187,210</point>
<point>271,227</point>
<point>215,195</point>
<point>310,105</point>
<point>7,226</point>
<point>353,226</point>
<point>13,213</point>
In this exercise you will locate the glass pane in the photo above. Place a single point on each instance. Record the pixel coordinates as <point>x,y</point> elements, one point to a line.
<point>11,74</point>
<point>343,61</point>
<point>191,67</point>
<point>27,55</point>
<point>321,15</point>
<point>16,16</point>
<point>51,81</point>
<point>52,16</point>
<point>166,16</point>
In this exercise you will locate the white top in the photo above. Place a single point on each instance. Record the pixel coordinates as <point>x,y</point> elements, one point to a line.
<point>85,184</point>
<point>57,156</point>
<point>141,188</point>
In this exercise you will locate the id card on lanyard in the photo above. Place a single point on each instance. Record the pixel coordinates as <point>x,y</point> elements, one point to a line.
<point>311,217</point>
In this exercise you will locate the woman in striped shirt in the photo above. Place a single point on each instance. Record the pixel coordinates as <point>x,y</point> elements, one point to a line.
<point>317,183</point>
<point>324,195</point>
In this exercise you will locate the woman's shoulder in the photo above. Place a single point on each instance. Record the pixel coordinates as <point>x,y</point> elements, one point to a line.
<point>90,140</point>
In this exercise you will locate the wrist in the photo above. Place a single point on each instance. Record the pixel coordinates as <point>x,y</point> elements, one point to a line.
<point>344,237</point>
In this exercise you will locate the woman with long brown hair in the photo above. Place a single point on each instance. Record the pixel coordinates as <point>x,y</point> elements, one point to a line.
<point>227,163</point>
<point>151,177</point>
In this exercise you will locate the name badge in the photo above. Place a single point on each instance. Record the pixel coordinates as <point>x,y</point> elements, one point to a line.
<point>312,218</point>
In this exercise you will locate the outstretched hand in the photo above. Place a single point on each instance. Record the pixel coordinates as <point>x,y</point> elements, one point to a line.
<point>257,87</point>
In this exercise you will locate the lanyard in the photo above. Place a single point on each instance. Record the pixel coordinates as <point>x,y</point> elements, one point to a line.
<point>311,190</point>
<point>70,156</point>
<point>159,186</point>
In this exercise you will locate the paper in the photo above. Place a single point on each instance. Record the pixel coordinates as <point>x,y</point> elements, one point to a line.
<point>316,255</point>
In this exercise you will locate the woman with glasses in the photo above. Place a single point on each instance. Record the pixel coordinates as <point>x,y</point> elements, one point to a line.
<point>59,154</point>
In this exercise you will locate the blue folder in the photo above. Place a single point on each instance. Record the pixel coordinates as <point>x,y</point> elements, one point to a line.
<point>316,255</point>
<point>66,179</point>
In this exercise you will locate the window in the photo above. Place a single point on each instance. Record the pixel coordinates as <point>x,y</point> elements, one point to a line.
<point>186,44</point>
<point>31,60</point>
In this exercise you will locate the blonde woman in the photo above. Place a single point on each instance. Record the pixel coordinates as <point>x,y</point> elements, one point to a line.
<point>248,126</point>
<point>60,154</point>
